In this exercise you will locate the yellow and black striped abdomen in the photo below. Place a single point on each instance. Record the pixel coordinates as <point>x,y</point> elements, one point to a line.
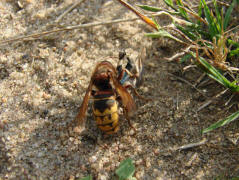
<point>105,109</point>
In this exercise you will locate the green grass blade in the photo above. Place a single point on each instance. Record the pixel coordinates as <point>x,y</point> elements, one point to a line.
<point>228,15</point>
<point>231,42</point>
<point>156,23</point>
<point>156,35</point>
<point>89,177</point>
<point>217,25</point>
<point>234,52</point>
<point>188,33</point>
<point>150,8</point>
<point>126,169</point>
<point>170,4</point>
<point>216,75</point>
<point>235,47</point>
<point>235,178</point>
<point>199,12</point>
<point>156,9</point>
<point>163,33</point>
<point>209,16</point>
<point>221,123</point>
<point>218,17</point>
<point>183,13</point>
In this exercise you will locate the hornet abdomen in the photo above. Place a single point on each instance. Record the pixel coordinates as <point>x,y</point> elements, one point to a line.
<point>105,110</point>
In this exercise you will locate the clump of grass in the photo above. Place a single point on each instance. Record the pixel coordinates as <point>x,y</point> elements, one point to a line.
<point>208,41</point>
<point>209,36</point>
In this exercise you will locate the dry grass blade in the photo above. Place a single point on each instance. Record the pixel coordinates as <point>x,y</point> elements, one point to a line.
<point>143,17</point>
<point>184,36</point>
<point>195,15</point>
<point>68,28</point>
<point>210,2</point>
<point>232,29</point>
<point>69,9</point>
<point>211,100</point>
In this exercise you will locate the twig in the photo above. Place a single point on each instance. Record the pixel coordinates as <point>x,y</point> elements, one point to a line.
<point>177,102</point>
<point>188,67</point>
<point>68,28</point>
<point>211,100</point>
<point>204,105</point>
<point>199,79</point>
<point>191,145</point>
<point>187,82</point>
<point>229,99</point>
<point>69,9</point>
<point>172,58</point>
<point>204,83</point>
<point>175,56</point>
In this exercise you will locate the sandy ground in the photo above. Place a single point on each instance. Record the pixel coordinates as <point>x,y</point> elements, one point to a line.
<point>43,80</point>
